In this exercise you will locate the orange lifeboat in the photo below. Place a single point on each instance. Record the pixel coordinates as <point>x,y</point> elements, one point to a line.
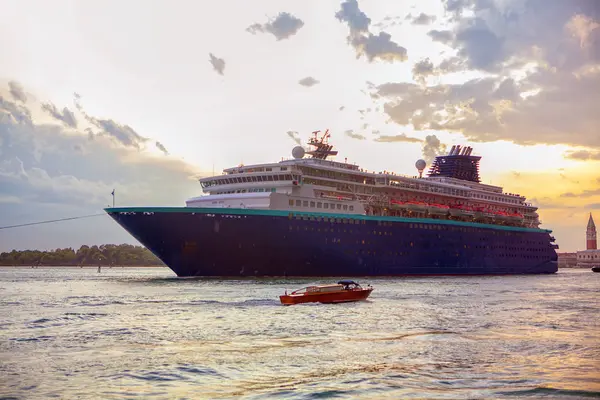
<point>344,291</point>
<point>417,206</point>
<point>438,209</point>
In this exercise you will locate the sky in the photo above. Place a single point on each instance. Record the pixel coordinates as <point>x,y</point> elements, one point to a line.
<point>146,96</point>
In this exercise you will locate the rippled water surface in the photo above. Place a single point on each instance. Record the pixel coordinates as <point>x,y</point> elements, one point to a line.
<point>121,333</point>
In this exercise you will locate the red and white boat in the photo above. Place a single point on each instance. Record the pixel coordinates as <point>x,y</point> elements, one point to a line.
<point>342,292</point>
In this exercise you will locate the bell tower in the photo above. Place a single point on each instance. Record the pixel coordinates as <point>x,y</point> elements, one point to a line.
<point>590,235</point>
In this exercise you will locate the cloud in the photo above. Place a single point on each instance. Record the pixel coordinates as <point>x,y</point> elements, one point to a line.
<point>422,69</point>
<point>122,133</point>
<point>54,170</point>
<point>16,91</point>
<point>282,27</point>
<point>548,203</point>
<point>295,137</point>
<point>308,81</point>
<point>342,108</point>
<point>593,206</point>
<point>441,36</point>
<point>421,19</point>
<point>364,42</point>
<point>585,193</point>
<point>65,116</point>
<point>351,134</point>
<point>162,148</point>
<point>584,155</point>
<point>432,147</point>
<point>10,111</point>
<point>542,82</point>
<point>357,21</point>
<point>397,138</point>
<point>218,64</point>
<point>490,109</point>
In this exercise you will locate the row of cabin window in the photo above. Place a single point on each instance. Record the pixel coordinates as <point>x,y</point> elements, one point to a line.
<point>318,204</point>
<point>247,179</point>
<point>254,190</point>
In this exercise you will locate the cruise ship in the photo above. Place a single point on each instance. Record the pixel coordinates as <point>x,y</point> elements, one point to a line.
<point>310,216</point>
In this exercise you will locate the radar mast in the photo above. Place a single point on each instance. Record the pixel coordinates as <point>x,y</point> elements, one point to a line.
<point>322,147</point>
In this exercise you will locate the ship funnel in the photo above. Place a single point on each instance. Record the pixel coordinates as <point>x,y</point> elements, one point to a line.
<point>457,151</point>
<point>469,151</point>
<point>452,150</point>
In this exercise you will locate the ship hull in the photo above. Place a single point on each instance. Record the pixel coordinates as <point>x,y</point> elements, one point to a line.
<point>262,243</point>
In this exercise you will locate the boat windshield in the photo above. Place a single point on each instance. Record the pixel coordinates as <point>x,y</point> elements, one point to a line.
<point>349,284</point>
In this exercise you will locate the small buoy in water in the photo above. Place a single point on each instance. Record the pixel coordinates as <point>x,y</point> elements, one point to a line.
<point>99,268</point>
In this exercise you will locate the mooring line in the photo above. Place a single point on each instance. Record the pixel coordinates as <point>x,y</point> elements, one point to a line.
<point>50,221</point>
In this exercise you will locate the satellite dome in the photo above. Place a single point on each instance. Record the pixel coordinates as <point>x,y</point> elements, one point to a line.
<point>420,164</point>
<point>298,152</point>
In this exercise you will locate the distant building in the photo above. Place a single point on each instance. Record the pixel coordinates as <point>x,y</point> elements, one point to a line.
<point>567,260</point>
<point>589,257</point>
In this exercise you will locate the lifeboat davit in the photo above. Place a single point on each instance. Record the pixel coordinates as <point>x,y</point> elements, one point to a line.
<point>343,292</point>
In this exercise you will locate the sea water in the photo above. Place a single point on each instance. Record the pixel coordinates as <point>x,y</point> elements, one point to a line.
<point>143,333</point>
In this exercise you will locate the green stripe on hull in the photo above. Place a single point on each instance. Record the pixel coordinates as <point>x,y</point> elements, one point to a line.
<point>282,213</point>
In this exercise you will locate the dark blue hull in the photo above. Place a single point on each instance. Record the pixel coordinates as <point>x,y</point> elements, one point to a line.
<point>238,243</point>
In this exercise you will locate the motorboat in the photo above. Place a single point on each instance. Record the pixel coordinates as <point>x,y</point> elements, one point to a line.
<point>342,292</point>
<point>596,268</point>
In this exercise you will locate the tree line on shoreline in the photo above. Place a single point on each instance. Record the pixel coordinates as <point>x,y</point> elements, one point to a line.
<point>105,255</point>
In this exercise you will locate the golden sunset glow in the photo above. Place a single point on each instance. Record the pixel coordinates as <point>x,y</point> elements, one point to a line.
<point>164,94</point>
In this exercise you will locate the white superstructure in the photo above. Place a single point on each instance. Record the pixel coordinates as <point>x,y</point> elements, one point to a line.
<point>317,184</point>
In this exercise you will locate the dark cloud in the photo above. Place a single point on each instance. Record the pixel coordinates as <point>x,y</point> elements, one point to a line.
<point>10,111</point>
<point>479,45</point>
<point>365,43</point>
<point>397,138</point>
<point>218,64</point>
<point>556,31</point>
<point>422,69</point>
<point>584,155</point>
<point>16,91</point>
<point>441,36</point>
<point>357,21</point>
<point>351,134</point>
<point>342,108</point>
<point>47,171</point>
<point>124,134</point>
<point>162,148</point>
<point>282,27</point>
<point>295,137</point>
<point>66,115</point>
<point>378,46</point>
<point>308,81</point>
<point>421,19</point>
<point>554,103</point>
